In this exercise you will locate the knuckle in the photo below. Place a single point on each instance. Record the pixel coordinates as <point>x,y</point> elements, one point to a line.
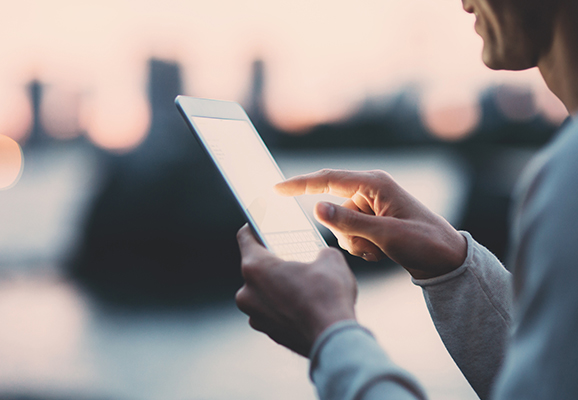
<point>358,244</point>
<point>326,175</point>
<point>246,263</point>
<point>344,243</point>
<point>241,297</point>
<point>325,171</point>
<point>242,231</point>
<point>254,270</point>
<point>244,300</point>
<point>382,178</point>
<point>381,175</point>
<point>256,324</point>
<point>382,184</point>
<point>249,270</point>
<point>333,254</point>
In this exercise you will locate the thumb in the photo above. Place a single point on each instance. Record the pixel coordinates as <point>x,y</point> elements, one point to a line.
<point>248,244</point>
<point>349,222</point>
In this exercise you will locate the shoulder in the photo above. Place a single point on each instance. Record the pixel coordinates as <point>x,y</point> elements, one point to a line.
<point>544,224</point>
<point>551,177</point>
<point>545,236</point>
<point>562,153</point>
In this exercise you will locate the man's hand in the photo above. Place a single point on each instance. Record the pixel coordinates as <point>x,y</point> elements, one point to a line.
<point>380,218</point>
<point>294,302</point>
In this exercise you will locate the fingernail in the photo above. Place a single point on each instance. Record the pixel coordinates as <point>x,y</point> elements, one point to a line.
<point>326,211</point>
<point>369,257</point>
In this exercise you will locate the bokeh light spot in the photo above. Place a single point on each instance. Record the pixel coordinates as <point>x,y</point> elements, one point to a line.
<point>516,103</point>
<point>118,121</point>
<point>11,162</point>
<point>15,112</point>
<point>450,121</point>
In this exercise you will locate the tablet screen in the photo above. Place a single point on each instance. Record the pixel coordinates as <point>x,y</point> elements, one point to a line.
<point>252,173</point>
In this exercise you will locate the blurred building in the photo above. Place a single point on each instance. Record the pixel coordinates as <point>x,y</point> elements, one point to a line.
<point>162,230</point>
<point>37,134</point>
<point>256,104</point>
<point>255,107</point>
<point>511,131</point>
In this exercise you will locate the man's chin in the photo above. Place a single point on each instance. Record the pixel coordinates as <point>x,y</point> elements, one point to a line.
<point>503,63</point>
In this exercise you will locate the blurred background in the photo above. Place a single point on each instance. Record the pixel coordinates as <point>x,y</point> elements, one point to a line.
<point>118,259</point>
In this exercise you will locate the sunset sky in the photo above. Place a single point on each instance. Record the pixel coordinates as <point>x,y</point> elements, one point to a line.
<point>322,58</point>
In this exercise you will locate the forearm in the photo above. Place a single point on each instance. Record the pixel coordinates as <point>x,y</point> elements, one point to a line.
<point>348,364</point>
<point>471,309</point>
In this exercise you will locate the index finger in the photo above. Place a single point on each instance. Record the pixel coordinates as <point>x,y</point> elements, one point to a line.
<point>340,183</point>
<point>249,245</point>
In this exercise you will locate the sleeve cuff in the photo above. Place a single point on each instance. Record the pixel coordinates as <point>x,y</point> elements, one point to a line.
<point>328,334</point>
<point>455,273</point>
<point>348,363</point>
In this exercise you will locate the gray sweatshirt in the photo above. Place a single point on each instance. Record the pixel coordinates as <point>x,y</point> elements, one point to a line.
<point>512,336</point>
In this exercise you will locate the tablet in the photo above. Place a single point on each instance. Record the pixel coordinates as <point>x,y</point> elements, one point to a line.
<point>227,135</point>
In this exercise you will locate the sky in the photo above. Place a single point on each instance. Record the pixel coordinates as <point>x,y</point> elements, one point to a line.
<point>322,58</point>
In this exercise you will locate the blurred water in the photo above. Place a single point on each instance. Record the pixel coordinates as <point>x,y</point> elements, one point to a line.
<point>40,217</point>
<point>55,340</point>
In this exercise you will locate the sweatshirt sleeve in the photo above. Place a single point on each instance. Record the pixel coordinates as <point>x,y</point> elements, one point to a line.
<point>542,359</point>
<point>471,308</point>
<point>347,363</point>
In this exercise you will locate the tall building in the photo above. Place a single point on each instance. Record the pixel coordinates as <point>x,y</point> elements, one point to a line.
<point>256,98</point>
<point>37,134</point>
<point>256,106</point>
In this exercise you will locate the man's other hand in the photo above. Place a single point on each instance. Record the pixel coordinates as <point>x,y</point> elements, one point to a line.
<point>294,302</point>
<point>380,218</point>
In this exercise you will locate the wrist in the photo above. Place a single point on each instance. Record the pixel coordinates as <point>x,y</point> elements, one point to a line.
<point>331,331</point>
<point>455,253</point>
<point>422,275</point>
<point>321,324</point>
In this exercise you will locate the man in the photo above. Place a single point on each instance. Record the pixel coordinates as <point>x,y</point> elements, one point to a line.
<point>513,337</point>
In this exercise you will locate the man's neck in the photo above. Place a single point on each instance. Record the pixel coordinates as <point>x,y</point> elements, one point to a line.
<point>559,66</point>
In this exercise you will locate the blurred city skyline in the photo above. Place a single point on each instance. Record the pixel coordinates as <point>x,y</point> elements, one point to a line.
<point>323,60</point>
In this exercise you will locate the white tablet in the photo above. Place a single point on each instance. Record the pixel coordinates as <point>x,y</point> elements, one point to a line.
<point>225,132</point>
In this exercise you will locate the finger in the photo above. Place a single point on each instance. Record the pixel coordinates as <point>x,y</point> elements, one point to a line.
<point>350,204</point>
<point>353,223</point>
<point>244,300</point>
<point>343,240</point>
<point>249,302</point>
<point>356,245</point>
<point>257,324</point>
<point>248,244</point>
<point>358,203</point>
<point>336,182</point>
<point>365,249</point>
